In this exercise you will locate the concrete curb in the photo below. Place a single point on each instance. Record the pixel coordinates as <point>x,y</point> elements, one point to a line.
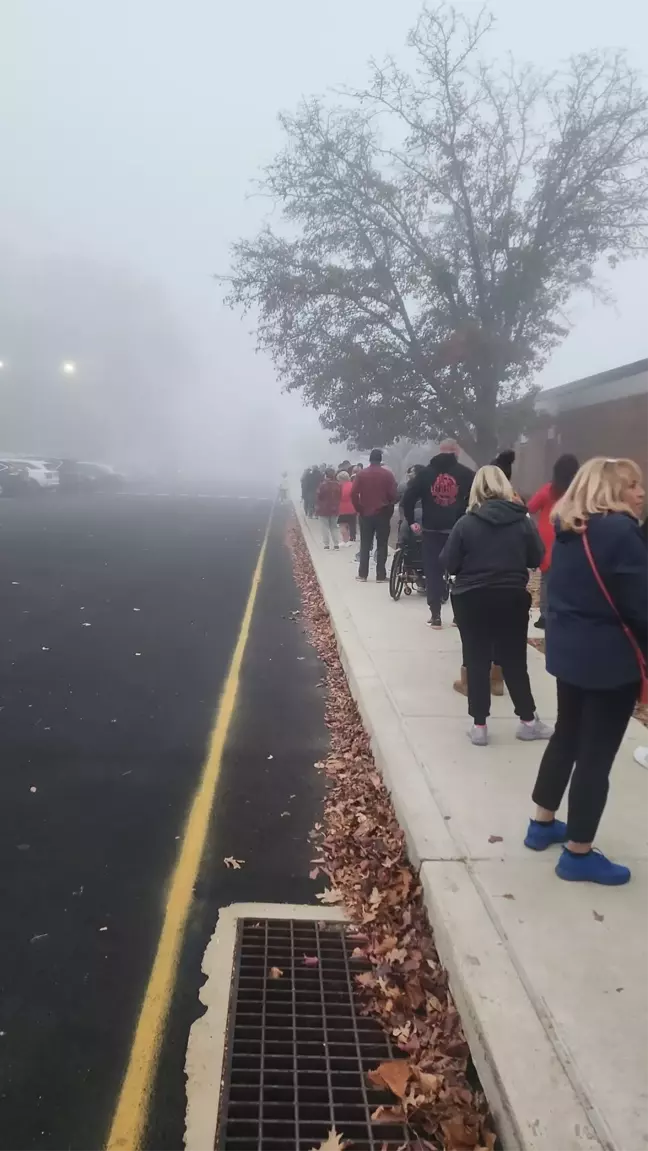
<point>534,1092</point>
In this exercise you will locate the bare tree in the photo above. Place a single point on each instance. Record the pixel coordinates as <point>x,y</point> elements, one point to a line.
<point>435,226</point>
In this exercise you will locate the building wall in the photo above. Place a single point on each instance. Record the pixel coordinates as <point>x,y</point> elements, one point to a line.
<point>616,428</point>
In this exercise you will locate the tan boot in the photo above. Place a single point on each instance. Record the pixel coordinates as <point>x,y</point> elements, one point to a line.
<point>496,680</point>
<point>461,684</point>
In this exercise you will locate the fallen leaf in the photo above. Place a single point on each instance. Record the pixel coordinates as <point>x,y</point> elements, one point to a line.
<point>314,873</point>
<point>233,864</point>
<point>460,1133</point>
<point>275,973</point>
<point>331,895</point>
<point>394,1075</point>
<point>496,839</point>
<point>366,979</point>
<point>430,1084</point>
<point>333,1142</point>
<point>311,961</point>
<point>598,918</point>
<point>388,1115</point>
<point>507,895</point>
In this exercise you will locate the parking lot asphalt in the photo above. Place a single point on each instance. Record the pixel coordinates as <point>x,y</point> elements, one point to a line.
<point>119,616</point>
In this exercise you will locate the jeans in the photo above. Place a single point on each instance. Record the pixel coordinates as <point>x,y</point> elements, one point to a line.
<point>376,525</point>
<point>495,619</point>
<point>587,736</point>
<point>329,528</point>
<point>433,545</point>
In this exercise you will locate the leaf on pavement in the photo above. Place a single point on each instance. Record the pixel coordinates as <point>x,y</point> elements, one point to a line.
<point>331,895</point>
<point>496,839</point>
<point>598,918</point>
<point>314,873</point>
<point>394,1075</point>
<point>275,973</point>
<point>233,864</point>
<point>333,1142</point>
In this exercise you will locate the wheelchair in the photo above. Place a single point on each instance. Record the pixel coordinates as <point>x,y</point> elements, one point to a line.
<point>407,566</point>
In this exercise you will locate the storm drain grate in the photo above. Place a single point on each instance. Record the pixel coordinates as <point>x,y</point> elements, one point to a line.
<point>298,1047</point>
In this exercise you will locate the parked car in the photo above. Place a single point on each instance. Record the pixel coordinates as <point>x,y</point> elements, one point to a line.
<point>83,476</point>
<point>24,476</point>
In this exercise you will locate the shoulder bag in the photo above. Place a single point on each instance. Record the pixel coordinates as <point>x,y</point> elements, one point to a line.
<point>641,659</point>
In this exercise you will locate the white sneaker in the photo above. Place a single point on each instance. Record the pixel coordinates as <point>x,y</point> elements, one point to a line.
<point>478,735</point>
<point>535,730</point>
<point>640,755</point>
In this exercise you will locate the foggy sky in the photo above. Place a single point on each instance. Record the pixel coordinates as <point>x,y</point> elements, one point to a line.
<point>130,131</point>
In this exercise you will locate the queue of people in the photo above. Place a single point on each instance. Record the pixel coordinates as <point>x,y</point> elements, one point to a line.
<point>590,546</point>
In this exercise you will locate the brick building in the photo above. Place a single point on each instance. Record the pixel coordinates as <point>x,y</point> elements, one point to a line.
<point>602,415</point>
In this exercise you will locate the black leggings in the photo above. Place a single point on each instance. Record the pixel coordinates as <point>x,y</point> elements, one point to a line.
<point>350,521</point>
<point>498,618</point>
<point>587,736</point>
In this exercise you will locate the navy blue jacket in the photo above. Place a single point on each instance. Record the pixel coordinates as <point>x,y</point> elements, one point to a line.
<point>585,643</point>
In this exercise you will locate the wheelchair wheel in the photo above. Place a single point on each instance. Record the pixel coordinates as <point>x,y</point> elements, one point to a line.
<point>397,574</point>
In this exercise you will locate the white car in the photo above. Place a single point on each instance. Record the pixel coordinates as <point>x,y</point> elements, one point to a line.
<point>18,476</point>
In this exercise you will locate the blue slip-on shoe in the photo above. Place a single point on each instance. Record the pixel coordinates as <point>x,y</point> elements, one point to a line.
<point>539,835</point>
<point>591,868</point>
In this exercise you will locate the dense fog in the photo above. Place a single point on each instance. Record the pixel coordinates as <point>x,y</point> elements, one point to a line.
<point>130,136</point>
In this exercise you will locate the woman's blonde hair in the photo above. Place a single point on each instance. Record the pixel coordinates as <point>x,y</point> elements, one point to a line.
<point>490,483</point>
<point>599,487</point>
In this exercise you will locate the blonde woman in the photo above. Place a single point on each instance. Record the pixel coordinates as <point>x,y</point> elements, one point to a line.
<point>596,662</point>
<point>489,552</point>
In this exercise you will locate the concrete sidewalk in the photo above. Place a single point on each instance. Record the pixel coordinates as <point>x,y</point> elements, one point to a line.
<point>550,977</point>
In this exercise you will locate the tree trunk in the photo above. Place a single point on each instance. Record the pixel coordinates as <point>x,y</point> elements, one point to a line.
<point>486,420</point>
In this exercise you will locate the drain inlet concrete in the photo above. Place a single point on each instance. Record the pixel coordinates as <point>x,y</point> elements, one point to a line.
<point>281,1055</point>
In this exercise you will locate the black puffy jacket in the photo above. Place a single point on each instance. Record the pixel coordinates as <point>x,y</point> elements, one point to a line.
<point>493,546</point>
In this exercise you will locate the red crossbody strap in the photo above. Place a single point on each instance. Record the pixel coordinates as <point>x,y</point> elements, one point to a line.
<point>641,660</point>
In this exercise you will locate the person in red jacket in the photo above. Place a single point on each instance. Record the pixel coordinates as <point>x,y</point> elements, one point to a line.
<point>347,514</point>
<point>541,505</point>
<point>374,494</point>
<point>327,504</point>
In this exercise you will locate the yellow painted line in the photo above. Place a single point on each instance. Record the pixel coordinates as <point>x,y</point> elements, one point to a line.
<point>132,1108</point>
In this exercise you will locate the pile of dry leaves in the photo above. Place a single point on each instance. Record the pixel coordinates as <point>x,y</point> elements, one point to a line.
<point>362,851</point>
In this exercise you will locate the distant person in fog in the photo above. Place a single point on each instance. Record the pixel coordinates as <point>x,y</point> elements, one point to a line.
<point>347,518</point>
<point>311,480</point>
<point>327,506</point>
<point>542,505</point>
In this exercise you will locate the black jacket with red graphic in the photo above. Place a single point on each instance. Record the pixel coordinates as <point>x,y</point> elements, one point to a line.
<point>443,488</point>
